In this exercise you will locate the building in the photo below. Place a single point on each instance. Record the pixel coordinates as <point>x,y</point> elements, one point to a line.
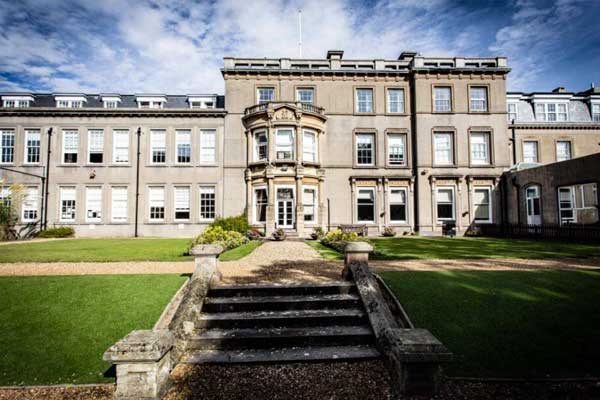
<point>295,143</point>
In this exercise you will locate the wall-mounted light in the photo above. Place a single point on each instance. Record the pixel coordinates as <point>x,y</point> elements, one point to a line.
<point>92,174</point>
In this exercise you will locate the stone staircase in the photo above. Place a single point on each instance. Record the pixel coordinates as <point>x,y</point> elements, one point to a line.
<point>281,323</point>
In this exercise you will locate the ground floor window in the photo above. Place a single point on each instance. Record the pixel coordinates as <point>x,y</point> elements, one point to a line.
<point>182,203</point>
<point>30,205</point>
<point>285,207</point>
<point>578,204</point>
<point>398,205</point>
<point>157,203</point>
<point>67,204</point>
<point>119,204</point>
<point>309,202</point>
<point>93,204</point>
<point>482,204</point>
<point>365,205</point>
<point>532,197</point>
<point>260,205</point>
<point>445,204</point>
<point>207,202</point>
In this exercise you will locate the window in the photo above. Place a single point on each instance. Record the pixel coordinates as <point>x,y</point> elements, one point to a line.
<point>511,109</point>
<point>309,202</point>
<point>155,103</point>
<point>563,150</point>
<point>32,146</point>
<point>95,146</point>
<point>364,100</point>
<point>208,146</point>
<point>551,112</point>
<point>93,204</point>
<point>265,95</point>
<point>16,103</point>
<point>442,99</point>
<point>156,196</point>
<point>158,147</point>
<point>480,148</point>
<point>397,149</point>
<point>397,205</point>
<point>183,146</point>
<point>445,203</point>
<point>207,202</point>
<point>182,203</point>
<point>70,146</point>
<point>532,197</point>
<point>30,205</point>
<point>7,149</point>
<point>530,151</point>
<point>119,204</point>
<point>305,95</point>
<point>111,104</point>
<point>365,205</point>
<point>395,101</point>
<point>478,98</point>
<point>444,148</point>
<point>309,146</point>
<point>566,205</point>
<point>596,112</point>
<point>482,204</point>
<point>261,146</point>
<point>202,102</point>
<point>120,147</point>
<point>67,204</point>
<point>69,103</point>
<point>365,149</point>
<point>260,205</point>
<point>284,144</point>
<point>5,197</point>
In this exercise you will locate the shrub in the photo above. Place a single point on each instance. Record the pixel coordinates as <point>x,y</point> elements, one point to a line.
<point>336,239</point>
<point>238,224</point>
<point>388,231</point>
<point>279,235</point>
<point>317,233</point>
<point>217,235</point>
<point>58,232</point>
<point>9,214</point>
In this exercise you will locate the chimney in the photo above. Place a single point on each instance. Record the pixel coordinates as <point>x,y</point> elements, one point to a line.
<point>335,54</point>
<point>407,55</point>
<point>560,89</point>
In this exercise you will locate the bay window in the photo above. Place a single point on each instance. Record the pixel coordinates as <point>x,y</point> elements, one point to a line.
<point>207,203</point>
<point>443,148</point>
<point>365,205</point>
<point>158,147</point>
<point>445,204</point>
<point>32,146</point>
<point>95,146</point>
<point>482,204</point>
<point>120,146</point>
<point>183,146</point>
<point>397,200</point>
<point>284,144</point>
<point>208,146</point>
<point>365,149</point>
<point>309,146</point>
<point>364,100</point>
<point>478,98</point>
<point>93,204</point>
<point>182,203</point>
<point>442,99</point>
<point>480,148</point>
<point>395,101</point>
<point>397,149</point>
<point>261,146</point>
<point>70,146</point>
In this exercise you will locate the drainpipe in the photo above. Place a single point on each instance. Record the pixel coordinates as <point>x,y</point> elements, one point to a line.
<point>514,141</point>
<point>137,181</point>
<point>413,147</point>
<point>47,179</point>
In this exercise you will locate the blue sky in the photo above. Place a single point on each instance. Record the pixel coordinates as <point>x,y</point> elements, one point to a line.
<point>177,47</point>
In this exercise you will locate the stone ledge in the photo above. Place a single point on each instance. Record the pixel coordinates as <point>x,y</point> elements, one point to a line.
<point>140,346</point>
<point>358,247</point>
<point>206,250</point>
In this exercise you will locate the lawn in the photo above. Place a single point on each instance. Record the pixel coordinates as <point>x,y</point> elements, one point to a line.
<point>241,251</point>
<point>326,252</point>
<point>463,247</point>
<point>508,323</point>
<point>55,329</point>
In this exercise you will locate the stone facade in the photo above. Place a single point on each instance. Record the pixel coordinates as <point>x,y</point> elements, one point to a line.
<point>407,143</point>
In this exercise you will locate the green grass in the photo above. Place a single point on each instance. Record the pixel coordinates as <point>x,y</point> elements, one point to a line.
<point>326,252</point>
<point>96,250</point>
<point>508,323</point>
<point>55,329</point>
<point>463,247</point>
<point>241,251</point>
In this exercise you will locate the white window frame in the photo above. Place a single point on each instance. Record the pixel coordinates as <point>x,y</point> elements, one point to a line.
<point>314,205</point>
<point>70,101</point>
<point>568,147</point>
<point>111,102</point>
<point>438,151</point>
<point>391,202</point>
<point>8,135</point>
<point>548,111</point>
<point>62,190</point>
<point>364,105</point>
<point>29,132</point>
<point>259,98</point>
<point>512,115</point>
<point>258,145</point>
<point>154,133</point>
<point>486,145</point>
<point>305,89</point>
<point>116,148</point>
<point>89,204</point>
<point>400,102</point>
<point>92,132</point>
<point>536,148</point>
<point>157,203</point>
<point>17,101</point>
<point>181,206</point>
<point>117,204</point>
<point>202,102</point>
<point>208,149</point>
<point>391,139</point>
<point>183,139</point>
<point>571,190</point>
<point>478,104</point>
<point>207,189</point>
<point>75,134</point>
<point>151,102</point>
<point>30,204</point>
<point>442,105</point>
<point>372,190</point>
<point>283,147</point>
<point>255,204</point>
<point>372,137</point>
<point>595,111</point>
<point>489,219</point>
<point>309,154</point>
<point>453,217</point>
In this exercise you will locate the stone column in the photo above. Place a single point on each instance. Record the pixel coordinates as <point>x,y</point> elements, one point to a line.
<point>355,252</point>
<point>205,261</point>
<point>322,204</point>
<point>271,218</point>
<point>143,364</point>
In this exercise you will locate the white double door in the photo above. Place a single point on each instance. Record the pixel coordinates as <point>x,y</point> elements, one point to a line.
<point>286,215</point>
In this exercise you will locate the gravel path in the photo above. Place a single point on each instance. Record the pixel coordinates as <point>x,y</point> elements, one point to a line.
<point>112,268</point>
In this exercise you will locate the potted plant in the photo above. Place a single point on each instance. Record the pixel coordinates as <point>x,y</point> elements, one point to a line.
<point>317,233</point>
<point>279,235</point>
<point>388,231</point>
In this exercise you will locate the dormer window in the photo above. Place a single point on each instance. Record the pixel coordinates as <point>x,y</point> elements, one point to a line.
<point>202,102</point>
<point>596,112</point>
<point>111,101</point>
<point>551,112</point>
<point>151,101</point>
<point>70,101</point>
<point>16,101</point>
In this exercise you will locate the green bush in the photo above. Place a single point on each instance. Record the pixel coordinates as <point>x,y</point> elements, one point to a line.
<point>59,232</point>
<point>336,239</point>
<point>217,235</point>
<point>238,224</point>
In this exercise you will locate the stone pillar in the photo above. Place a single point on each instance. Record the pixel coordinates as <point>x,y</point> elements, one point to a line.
<point>271,217</point>
<point>355,252</point>
<point>459,210</point>
<point>205,262</point>
<point>322,204</point>
<point>143,363</point>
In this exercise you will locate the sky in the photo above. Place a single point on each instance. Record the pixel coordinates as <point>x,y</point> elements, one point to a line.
<point>177,47</point>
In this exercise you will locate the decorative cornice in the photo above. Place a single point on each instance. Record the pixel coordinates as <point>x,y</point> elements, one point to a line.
<point>111,112</point>
<point>555,125</point>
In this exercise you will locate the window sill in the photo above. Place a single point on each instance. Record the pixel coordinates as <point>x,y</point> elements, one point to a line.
<point>286,161</point>
<point>443,112</point>
<point>212,165</point>
<point>69,165</point>
<point>444,166</point>
<point>397,166</point>
<point>390,114</point>
<point>94,165</point>
<point>482,166</point>
<point>30,165</point>
<point>365,166</point>
<point>366,114</point>
<point>311,163</point>
<point>120,166</point>
<point>399,224</point>
<point>480,112</point>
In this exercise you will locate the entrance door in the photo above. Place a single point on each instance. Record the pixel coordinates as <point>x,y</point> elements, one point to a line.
<point>285,208</point>
<point>532,196</point>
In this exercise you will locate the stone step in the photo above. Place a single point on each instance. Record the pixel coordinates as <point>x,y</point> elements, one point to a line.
<point>222,339</point>
<point>292,318</point>
<point>295,302</point>
<point>294,354</point>
<point>302,289</point>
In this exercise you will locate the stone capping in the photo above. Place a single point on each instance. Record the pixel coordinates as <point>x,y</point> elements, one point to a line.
<point>168,313</point>
<point>358,247</point>
<point>206,250</point>
<point>396,308</point>
<point>140,346</point>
